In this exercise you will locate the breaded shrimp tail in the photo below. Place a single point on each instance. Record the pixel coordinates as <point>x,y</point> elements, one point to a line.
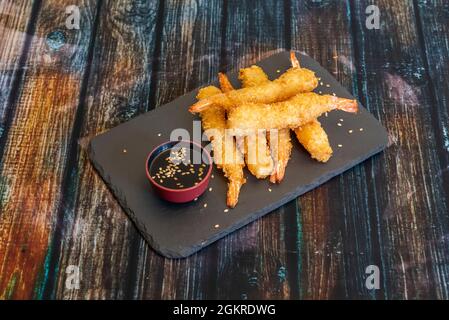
<point>226,154</point>
<point>314,139</point>
<point>293,81</point>
<point>225,84</point>
<point>294,61</point>
<point>292,113</point>
<point>281,148</point>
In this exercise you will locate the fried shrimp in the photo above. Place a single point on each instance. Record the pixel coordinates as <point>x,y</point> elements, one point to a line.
<point>280,143</point>
<point>295,112</point>
<point>226,154</point>
<point>314,139</point>
<point>312,135</point>
<point>293,81</point>
<point>254,146</point>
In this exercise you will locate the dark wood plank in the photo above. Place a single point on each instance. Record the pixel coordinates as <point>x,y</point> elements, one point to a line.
<point>36,146</point>
<point>433,31</point>
<point>15,23</point>
<point>99,238</point>
<point>253,261</point>
<point>405,185</point>
<point>335,220</point>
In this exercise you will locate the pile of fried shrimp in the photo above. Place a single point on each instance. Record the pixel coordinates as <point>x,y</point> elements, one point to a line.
<point>251,126</point>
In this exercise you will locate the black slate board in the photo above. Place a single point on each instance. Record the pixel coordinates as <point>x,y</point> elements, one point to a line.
<point>178,230</point>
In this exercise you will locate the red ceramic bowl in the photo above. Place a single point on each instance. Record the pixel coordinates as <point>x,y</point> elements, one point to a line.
<point>184,194</point>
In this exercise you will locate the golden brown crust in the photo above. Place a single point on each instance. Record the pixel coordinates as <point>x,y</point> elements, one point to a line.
<point>314,139</point>
<point>292,113</point>
<point>226,155</point>
<point>293,81</point>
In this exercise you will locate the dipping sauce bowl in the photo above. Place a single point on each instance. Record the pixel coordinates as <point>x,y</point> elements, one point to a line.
<point>179,171</point>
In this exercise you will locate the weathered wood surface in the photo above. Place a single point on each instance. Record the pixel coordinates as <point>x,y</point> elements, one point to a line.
<point>34,148</point>
<point>117,90</point>
<point>406,193</point>
<point>132,56</point>
<point>14,27</point>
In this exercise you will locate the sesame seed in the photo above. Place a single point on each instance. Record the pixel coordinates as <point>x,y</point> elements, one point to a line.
<point>269,189</point>
<point>341,120</point>
<point>361,129</point>
<point>350,131</point>
<point>195,199</point>
<point>339,124</point>
<point>159,134</point>
<point>210,189</point>
<point>333,93</point>
<point>321,83</point>
<point>328,85</point>
<point>325,114</point>
<point>340,145</point>
<point>212,176</point>
<point>205,205</point>
<point>125,151</point>
<point>161,181</point>
<point>217,226</point>
<point>320,92</point>
<point>278,71</point>
<point>226,210</point>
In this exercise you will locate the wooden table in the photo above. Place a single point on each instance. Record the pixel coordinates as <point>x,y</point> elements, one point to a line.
<point>60,87</point>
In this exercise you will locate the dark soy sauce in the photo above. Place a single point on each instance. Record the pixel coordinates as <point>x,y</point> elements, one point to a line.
<point>178,168</point>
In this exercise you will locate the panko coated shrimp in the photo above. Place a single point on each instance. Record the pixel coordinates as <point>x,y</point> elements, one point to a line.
<point>293,81</point>
<point>226,154</point>
<point>292,113</point>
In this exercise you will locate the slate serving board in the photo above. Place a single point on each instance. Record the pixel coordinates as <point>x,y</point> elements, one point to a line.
<point>178,230</point>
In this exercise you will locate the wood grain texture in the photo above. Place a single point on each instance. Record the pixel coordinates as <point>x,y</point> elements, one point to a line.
<point>60,87</point>
<point>405,183</point>
<point>15,24</point>
<point>433,30</point>
<point>117,90</point>
<point>36,147</point>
